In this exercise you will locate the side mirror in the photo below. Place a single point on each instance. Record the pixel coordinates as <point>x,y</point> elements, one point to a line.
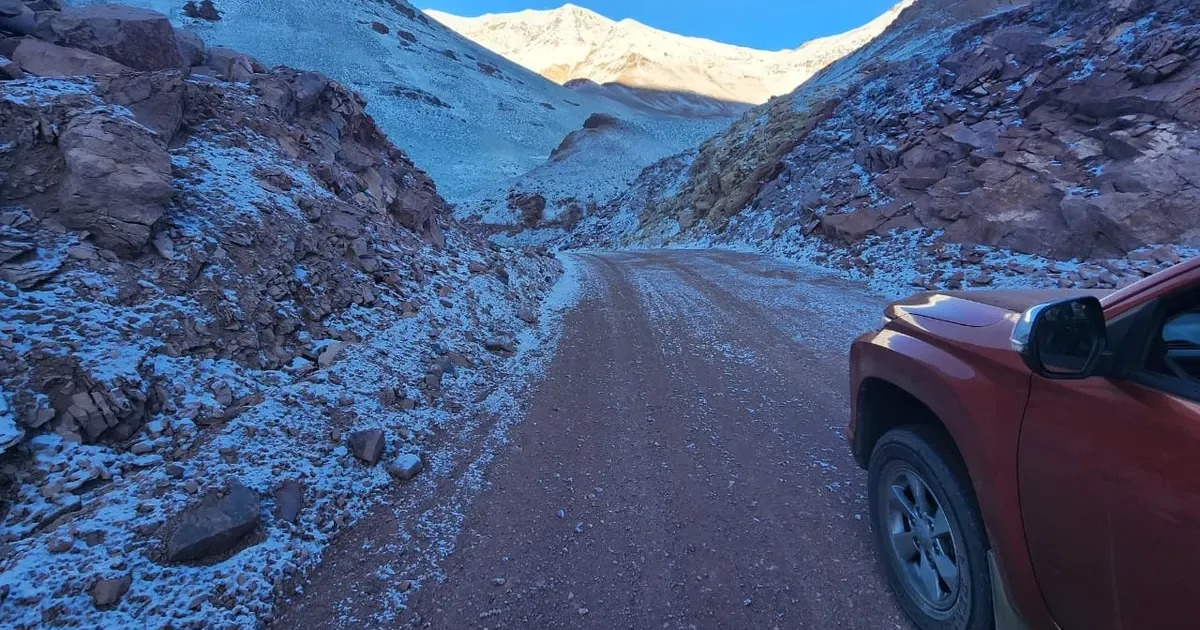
<point>1062,340</point>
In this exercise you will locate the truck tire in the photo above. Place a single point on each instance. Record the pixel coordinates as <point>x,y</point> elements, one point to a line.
<point>928,532</point>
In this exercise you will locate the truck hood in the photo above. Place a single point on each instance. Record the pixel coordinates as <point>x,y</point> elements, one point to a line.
<point>980,308</point>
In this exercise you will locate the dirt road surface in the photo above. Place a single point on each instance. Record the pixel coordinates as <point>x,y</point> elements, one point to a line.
<point>681,465</point>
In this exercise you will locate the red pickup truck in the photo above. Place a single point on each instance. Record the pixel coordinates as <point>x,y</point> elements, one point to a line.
<point>1033,457</point>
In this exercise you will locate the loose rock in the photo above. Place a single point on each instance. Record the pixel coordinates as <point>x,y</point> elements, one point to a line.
<point>108,592</point>
<point>368,445</point>
<point>330,354</point>
<point>288,499</point>
<point>405,466</point>
<point>216,526</point>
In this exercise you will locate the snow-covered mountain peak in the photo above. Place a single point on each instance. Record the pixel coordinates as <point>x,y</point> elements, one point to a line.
<point>572,42</point>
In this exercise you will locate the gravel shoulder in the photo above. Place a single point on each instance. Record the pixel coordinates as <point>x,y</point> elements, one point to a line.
<point>682,465</point>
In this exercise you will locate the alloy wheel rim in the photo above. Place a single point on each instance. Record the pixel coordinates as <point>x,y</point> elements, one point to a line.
<point>924,546</point>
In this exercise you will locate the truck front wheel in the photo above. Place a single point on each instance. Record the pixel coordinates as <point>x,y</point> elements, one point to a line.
<point>928,531</point>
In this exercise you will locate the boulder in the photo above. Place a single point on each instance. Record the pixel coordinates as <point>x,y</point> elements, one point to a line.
<point>108,592</point>
<point>139,38</point>
<point>18,18</point>
<point>289,497</point>
<point>230,64</point>
<point>118,180</point>
<point>216,526</point>
<point>12,8</point>
<point>329,354</point>
<point>157,99</point>
<point>852,226</point>
<point>192,50</point>
<point>44,59</point>
<point>368,445</point>
<point>10,70</point>
<point>405,466</point>
<point>528,316</point>
<point>291,95</point>
<point>500,346</point>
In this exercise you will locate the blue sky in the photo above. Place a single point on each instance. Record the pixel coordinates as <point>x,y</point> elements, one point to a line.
<point>767,24</point>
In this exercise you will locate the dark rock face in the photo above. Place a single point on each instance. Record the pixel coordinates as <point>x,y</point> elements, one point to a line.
<point>138,38</point>
<point>595,124</point>
<point>17,17</point>
<point>11,8</point>
<point>191,48</point>
<point>531,206</point>
<point>601,121</point>
<point>231,65</point>
<point>215,528</point>
<point>203,10</point>
<point>1054,128</point>
<point>157,100</point>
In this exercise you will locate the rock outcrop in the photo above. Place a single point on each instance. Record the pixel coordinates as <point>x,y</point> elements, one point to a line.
<point>1054,128</point>
<point>138,38</point>
<point>120,158</point>
<point>273,203</point>
<point>530,207</point>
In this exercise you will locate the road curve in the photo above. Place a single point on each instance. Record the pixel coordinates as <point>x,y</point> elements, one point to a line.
<point>682,465</point>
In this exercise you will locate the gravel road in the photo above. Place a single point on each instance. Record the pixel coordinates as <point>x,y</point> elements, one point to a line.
<point>682,465</point>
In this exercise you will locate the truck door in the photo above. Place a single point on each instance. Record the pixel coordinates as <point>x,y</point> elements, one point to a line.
<point>1109,473</point>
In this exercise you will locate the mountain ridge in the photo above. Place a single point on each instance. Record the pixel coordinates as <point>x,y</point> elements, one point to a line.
<point>573,42</point>
<point>449,103</point>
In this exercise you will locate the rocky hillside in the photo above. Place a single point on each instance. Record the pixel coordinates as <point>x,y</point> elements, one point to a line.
<point>967,134</point>
<point>225,298</point>
<point>591,166</point>
<point>449,103</point>
<point>571,43</point>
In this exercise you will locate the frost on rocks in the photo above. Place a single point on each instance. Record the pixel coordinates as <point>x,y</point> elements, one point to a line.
<point>368,445</point>
<point>10,433</point>
<point>472,118</point>
<point>970,145</point>
<point>216,526</point>
<point>405,466</point>
<point>140,376</point>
